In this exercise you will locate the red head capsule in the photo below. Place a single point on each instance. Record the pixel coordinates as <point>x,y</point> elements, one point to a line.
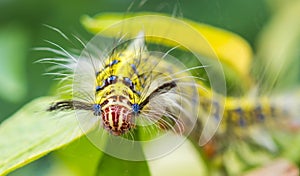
<point>117,119</point>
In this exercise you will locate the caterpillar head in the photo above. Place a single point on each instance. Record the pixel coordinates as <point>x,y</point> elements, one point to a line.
<point>117,119</point>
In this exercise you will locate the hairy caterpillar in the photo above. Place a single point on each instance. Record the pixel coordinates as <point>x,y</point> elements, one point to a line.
<point>126,86</point>
<point>119,85</point>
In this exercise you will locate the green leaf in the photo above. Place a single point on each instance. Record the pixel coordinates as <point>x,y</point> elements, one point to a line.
<point>33,132</point>
<point>109,165</point>
<point>278,55</point>
<point>113,166</point>
<point>289,144</point>
<point>80,157</point>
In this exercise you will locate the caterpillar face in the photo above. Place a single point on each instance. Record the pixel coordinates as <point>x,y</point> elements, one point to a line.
<point>115,105</point>
<point>117,119</point>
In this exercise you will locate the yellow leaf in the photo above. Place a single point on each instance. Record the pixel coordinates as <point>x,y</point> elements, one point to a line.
<point>233,51</point>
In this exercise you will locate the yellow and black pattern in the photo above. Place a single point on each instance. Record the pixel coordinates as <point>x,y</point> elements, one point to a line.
<point>134,84</point>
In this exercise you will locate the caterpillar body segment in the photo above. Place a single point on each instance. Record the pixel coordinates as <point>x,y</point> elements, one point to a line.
<point>250,121</point>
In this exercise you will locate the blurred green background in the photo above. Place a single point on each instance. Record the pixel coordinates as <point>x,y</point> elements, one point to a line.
<point>271,27</point>
<point>21,29</point>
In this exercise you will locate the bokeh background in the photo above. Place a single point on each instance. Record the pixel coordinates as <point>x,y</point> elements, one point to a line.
<point>270,27</point>
<point>22,29</point>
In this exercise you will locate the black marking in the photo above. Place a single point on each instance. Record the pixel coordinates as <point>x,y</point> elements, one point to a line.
<point>113,62</point>
<point>127,82</point>
<point>125,92</point>
<point>98,88</point>
<point>129,103</point>
<point>240,113</point>
<point>216,106</point>
<point>70,105</point>
<point>166,87</point>
<point>122,98</point>
<point>110,80</point>
<point>242,122</point>
<point>273,111</point>
<point>258,113</point>
<point>141,79</point>
<point>114,98</point>
<point>144,77</point>
<point>134,69</point>
<point>104,103</point>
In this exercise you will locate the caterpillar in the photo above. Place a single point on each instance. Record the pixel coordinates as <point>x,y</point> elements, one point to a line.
<point>123,87</point>
<point>124,90</point>
<point>119,85</point>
